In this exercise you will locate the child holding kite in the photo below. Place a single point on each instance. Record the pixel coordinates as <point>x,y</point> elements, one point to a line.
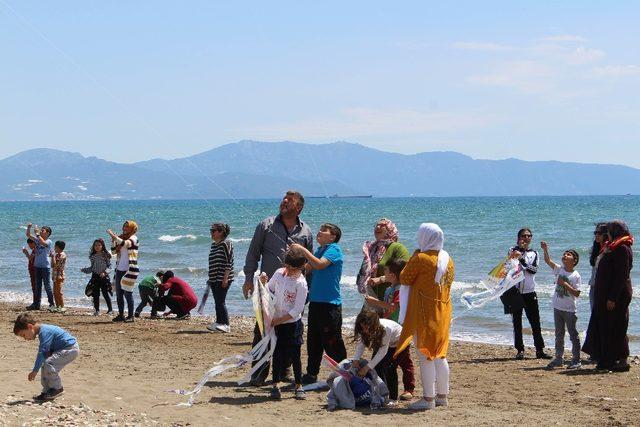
<point>289,288</point>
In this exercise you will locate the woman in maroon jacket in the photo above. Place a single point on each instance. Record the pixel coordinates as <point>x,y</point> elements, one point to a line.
<point>177,295</point>
<point>607,340</point>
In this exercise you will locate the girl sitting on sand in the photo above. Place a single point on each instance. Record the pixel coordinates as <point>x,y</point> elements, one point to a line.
<point>380,335</point>
<point>100,267</point>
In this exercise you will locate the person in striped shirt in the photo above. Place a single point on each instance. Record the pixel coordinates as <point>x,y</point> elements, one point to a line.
<point>220,274</point>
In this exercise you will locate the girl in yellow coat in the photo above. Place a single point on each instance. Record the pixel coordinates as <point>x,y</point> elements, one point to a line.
<point>429,274</point>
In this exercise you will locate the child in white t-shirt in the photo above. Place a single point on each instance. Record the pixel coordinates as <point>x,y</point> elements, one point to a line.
<point>289,289</point>
<point>564,304</point>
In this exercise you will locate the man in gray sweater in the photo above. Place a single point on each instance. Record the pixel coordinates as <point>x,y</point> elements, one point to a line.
<point>268,246</point>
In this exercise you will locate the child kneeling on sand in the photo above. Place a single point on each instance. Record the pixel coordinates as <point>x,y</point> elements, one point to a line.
<point>380,335</point>
<point>148,289</point>
<point>289,288</point>
<point>57,349</point>
<point>564,305</point>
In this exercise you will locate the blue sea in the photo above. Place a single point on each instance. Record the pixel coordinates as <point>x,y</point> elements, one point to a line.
<point>478,231</point>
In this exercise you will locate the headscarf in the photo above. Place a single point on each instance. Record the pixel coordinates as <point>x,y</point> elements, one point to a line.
<point>134,226</point>
<point>620,241</point>
<point>390,227</point>
<point>374,251</point>
<point>431,238</point>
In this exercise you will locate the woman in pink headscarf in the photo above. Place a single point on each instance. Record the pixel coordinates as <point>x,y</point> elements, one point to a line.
<point>371,280</point>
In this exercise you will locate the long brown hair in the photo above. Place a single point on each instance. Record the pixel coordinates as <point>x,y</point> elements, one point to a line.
<point>368,329</point>
<point>104,251</point>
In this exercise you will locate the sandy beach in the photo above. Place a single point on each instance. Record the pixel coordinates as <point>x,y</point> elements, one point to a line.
<point>124,370</point>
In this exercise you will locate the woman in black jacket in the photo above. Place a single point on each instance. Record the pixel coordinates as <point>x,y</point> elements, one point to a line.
<point>607,340</point>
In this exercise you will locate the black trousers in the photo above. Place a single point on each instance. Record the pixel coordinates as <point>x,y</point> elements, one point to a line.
<point>100,284</point>
<point>164,301</point>
<point>387,371</point>
<point>324,334</point>
<point>532,311</point>
<point>146,298</point>
<point>219,298</point>
<point>287,351</point>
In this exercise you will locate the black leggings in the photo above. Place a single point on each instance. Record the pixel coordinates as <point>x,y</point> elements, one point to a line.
<point>287,351</point>
<point>386,370</point>
<point>100,284</point>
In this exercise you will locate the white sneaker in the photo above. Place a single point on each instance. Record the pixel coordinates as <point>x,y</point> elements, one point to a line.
<point>422,405</point>
<point>96,313</point>
<point>223,328</point>
<point>212,327</point>
<point>442,401</point>
<point>575,365</point>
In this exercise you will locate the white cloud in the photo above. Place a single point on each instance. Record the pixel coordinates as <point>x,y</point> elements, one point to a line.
<point>583,55</point>
<point>482,46</point>
<point>359,122</point>
<point>34,181</point>
<point>525,76</point>
<point>82,187</point>
<point>617,71</point>
<point>564,38</point>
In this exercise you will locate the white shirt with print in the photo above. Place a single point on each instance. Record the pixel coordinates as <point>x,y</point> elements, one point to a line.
<point>290,293</point>
<point>562,299</point>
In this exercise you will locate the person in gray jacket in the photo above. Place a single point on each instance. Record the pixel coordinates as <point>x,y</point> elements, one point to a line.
<point>269,245</point>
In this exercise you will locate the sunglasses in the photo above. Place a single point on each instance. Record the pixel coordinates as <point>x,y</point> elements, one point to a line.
<point>213,230</point>
<point>526,236</point>
<point>595,233</point>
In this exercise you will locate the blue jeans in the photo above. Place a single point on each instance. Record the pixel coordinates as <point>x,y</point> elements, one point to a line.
<point>122,294</point>
<point>43,277</point>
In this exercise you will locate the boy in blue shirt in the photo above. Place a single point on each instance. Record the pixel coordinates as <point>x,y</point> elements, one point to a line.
<point>324,329</point>
<point>57,349</point>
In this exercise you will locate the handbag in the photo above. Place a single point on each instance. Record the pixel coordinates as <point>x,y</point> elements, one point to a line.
<point>88,290</point>
<point>512,300</point>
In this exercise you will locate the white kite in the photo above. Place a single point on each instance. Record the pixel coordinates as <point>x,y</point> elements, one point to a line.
<point>499,280</point>
<point>261,353</point>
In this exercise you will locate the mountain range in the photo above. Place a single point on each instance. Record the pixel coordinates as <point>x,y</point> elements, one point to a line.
<point>252,169</point>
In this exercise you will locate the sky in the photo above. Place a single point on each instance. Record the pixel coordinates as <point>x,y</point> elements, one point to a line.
<point>129,81</point>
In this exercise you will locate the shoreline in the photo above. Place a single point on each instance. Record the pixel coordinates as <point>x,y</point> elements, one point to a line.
<point>124,370</point>
<point>347,325</point>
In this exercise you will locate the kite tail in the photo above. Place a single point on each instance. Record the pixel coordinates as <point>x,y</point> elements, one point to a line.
<point>218,368</point>
<point>267,347</point>
<point>261,353</point>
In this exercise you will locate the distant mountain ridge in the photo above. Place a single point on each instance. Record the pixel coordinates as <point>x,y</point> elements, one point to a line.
<point>251,169</point>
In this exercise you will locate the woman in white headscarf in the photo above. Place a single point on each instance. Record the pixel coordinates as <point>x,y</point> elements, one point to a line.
<point>429,275</point>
